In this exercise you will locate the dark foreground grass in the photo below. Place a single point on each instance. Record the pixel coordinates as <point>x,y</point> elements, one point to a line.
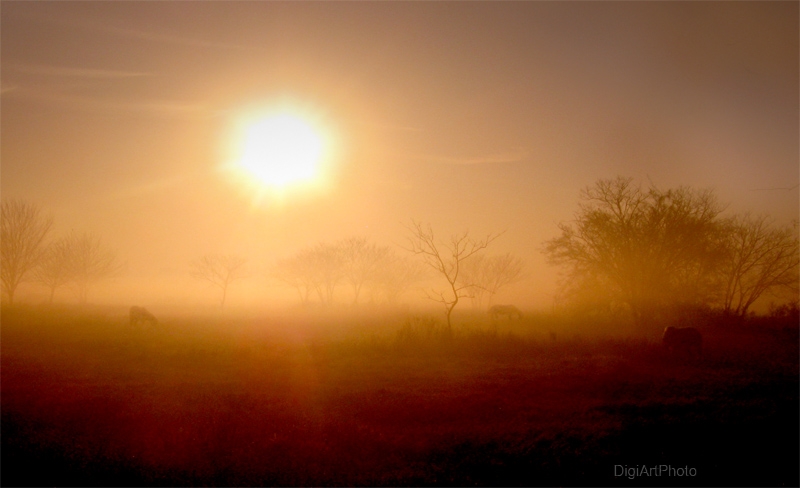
<point>88,401</point>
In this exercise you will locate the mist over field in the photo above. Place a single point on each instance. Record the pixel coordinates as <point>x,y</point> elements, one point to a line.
<point>341,244</point>
<point>389,399</point>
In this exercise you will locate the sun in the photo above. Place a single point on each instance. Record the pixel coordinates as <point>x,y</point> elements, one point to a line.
<point>280,150</point>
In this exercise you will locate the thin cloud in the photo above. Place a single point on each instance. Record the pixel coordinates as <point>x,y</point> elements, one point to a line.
<point>63,71</point>
<point>497,158</point>
<point>167,38</point>
<point>156,186</point>
<point>388,126</point>
<point>778,188</point>
<point>145,35</point>
<point>155,107</point>
<point>56,83</point>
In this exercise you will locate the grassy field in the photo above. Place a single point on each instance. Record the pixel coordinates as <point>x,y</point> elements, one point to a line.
<point>388,400</point>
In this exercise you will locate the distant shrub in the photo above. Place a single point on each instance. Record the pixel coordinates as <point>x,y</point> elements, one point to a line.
<point>789,312</point>
<point>423,331</point>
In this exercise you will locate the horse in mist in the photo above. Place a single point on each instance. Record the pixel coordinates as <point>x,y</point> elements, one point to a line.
<point>683,341</point>
<point>142,315</point>
<point>510,311</point>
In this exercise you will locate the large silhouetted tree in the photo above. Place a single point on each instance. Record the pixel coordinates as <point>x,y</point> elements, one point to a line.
<point>447,260</point>
<point>24,229</point>
<point>220,271</point>
<point>647,248</point>
<point>761,257</point>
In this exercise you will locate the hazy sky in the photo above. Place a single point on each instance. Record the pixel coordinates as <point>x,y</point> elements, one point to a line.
<point>116,117</point>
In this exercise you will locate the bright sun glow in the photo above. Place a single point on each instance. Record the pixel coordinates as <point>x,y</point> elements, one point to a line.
<point>280,150</point>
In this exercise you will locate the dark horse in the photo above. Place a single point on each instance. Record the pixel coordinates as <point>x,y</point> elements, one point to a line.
<point>140,314</point>
<point>509,311</point>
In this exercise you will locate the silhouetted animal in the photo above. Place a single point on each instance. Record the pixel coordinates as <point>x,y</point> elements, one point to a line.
<point>140,314</point>
<point>684,341</point>
<point>510,311</point>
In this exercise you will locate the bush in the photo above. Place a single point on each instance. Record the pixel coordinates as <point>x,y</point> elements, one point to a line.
<point>422,332</point>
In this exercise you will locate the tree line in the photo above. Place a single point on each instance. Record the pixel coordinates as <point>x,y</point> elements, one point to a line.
<point>318,273</point>
<point>647,250</point>
<point>362,270</point>
<point>355,263</point>
<point>78,259</point>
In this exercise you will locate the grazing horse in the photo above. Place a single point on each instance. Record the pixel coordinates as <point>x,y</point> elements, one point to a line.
<point>140,314</point>
<point>510,311</point>
<point>683,341</point>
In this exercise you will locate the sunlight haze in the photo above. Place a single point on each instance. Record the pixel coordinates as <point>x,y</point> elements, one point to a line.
<point>400,243</point>
<point>123,119</point>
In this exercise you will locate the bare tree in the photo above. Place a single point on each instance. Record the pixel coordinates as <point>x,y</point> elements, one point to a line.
<point>361,262</point>
<point>219,270</point>
<point>760,258</point>
<point>57,267</point>
<point>91,262</point>
<point>397,275</point>
<point>488,274</point>
<point>299,273</point>
<point>319,269</point>
<point>327,262</point>
<point>24,229</point>
<point>447,259</point>
<point>646,248</point>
